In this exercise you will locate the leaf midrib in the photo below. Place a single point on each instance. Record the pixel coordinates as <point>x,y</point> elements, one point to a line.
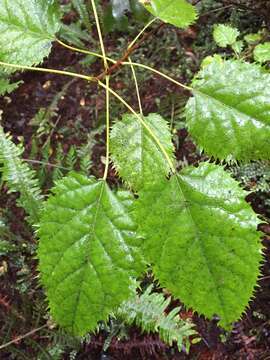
<point>198,231</point>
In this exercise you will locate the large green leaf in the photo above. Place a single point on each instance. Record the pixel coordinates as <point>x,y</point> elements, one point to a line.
<point>200,236</point>
<point>27,28</point>
<point>229,114</point>
<point>88,252</point>
<point>135,153</point>
<point>176,12</point>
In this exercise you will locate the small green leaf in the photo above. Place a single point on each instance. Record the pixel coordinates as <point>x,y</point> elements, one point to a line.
<point>135,153</point>
<point>6,86</point>
<point>88,252</point>
<point>178,13</point>
<point>225,35</point>
<point>27,29</point>
<point>262,52</point>
<point>200,236</point>
<point>229,115</point>
<point>238,46</point>
<point>253,38</point>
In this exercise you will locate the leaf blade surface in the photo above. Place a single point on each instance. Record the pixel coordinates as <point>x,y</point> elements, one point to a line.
<point>27,28</point>
<point>200,236</point>
<point>88,252</point>
<point>229,114</point>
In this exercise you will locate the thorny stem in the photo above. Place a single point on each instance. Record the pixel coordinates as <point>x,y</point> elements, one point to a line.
<point>142,122</point>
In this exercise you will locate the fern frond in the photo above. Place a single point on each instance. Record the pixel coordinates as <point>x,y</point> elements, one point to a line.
<point>19,177</point>
<point>147,311</point>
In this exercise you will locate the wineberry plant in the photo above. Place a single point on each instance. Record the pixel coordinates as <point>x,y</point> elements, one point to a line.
<point>193,226</point>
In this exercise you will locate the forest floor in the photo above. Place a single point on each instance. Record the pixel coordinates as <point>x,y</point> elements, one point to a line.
<point>78,111</point>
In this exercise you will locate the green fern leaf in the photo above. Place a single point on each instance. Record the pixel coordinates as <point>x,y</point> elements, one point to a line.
<point>27,28</point>
<point>229,115</point>
<point>88,252</point>
<point>201,238</point>
<point>6,86</point>
<point>176,12</point>
<point>135,153</point>
<point>19,177</point>
<point>148,311</point>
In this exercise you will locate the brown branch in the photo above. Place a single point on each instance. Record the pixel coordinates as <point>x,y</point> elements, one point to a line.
<point>127,53</point>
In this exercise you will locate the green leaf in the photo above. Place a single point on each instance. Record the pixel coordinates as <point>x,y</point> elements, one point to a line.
<point>27,28</point>
<point>229,114</point>
<point>7,87</point>
<point>136,155</point>
<point>262,52</point>
<point>225,35</point>
<point>176,12</point>
<point>253,38</point>
<point>88,252</point>
<point>200,236</point>
<point>19,177</point>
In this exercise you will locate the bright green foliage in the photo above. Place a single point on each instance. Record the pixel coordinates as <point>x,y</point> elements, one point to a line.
<point>148,311</point>
<point>262,52</point>
<point>178,13</point>
<point>6,87</point>
<point>253,38</point>
<point>146,162</point>
<point>225,35</point>
<point>88,252</point>
<point>229,114</point>
<point>200,236</point>
<point>27,28</point>
<point>19,177</point>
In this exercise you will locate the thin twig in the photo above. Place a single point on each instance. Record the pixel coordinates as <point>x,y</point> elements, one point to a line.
<point>127,53</point>
<point>21,337</point>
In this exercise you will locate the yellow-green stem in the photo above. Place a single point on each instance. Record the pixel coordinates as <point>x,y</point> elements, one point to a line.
<point>107,128</point>
<point>136,86</point>
<point>72,48</point>
<point>50,71</point>
<point>99,34</point>
<point>141,32</point>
